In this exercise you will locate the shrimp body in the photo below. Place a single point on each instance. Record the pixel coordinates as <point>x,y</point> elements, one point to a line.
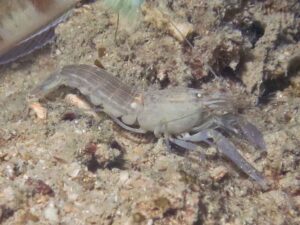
<point>184,116</point>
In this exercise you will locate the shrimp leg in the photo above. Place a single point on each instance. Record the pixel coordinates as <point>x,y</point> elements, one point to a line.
<point>229,151</point>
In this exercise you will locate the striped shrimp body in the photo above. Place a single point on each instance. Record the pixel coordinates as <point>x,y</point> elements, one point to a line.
<point>101,88</point>
<point>183,116</point>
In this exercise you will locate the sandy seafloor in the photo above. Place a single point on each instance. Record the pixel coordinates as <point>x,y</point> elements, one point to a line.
<point>74,169</point>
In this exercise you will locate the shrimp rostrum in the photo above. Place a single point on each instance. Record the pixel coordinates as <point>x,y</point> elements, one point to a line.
<point>183,116</point>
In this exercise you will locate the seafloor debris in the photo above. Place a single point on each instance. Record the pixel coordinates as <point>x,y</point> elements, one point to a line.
<point>37,186</point>
<point>5,213</point>
<point>76,101</point>
<point>218,173</point>
<point>39,110</point>
<point>127,8</point>
<point>165,20</point>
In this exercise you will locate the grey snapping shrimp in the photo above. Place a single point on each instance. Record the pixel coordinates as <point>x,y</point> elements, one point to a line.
<point>184,116</point>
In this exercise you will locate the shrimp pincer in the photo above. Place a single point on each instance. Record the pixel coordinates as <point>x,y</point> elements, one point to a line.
<point>183,116</point>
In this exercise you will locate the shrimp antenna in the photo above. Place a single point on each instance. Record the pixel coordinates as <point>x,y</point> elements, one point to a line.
<point>117,28</point>
<point>187,41</point>
<point>127,8</point>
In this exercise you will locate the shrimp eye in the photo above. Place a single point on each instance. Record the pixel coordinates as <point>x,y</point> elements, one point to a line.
<point>133,105</point>
<point>198,95</point>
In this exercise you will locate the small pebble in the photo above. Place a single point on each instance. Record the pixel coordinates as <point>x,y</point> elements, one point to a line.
<point>74,100</point>
<point>39,110</point>
<point>74,169</point>
<point>218,173</point>
<point>51,213</point>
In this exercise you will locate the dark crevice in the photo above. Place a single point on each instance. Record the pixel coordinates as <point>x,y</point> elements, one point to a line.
<point>253,31</point>
<point>231,14</point>
<point>6,212</point>
<point>269,87</point>
<point>84,2</point>
<point>228,73</point>
<point>93,165</point>
<point>293,66</point>
<point>202,213</point>
<point>119,161</point>
<point>93,162</point>
<point>170,212</point>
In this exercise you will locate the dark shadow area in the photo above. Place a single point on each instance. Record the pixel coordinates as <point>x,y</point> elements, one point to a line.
<point>253,31</point>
